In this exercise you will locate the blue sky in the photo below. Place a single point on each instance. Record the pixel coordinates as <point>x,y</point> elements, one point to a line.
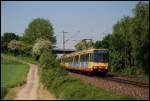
<point>81,19</point>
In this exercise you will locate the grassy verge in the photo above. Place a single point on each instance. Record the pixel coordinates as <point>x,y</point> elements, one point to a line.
<point>13,73</point>
<point>65,87</point>
<point>19,57</point>
<point>69,88</point>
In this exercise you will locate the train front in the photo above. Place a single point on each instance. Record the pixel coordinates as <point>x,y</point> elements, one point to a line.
<point>99,63</point>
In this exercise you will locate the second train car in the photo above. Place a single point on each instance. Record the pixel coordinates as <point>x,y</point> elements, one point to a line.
<point>89,61</point>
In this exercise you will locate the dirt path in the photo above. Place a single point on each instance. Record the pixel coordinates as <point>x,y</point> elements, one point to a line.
<point>30,90</point>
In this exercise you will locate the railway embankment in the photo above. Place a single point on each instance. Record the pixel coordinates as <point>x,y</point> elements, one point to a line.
<point>141,93</point>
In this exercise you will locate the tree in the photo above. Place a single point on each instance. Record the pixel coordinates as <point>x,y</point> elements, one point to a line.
<point>39,46</point>
<point>39,28</point>
<point>14,46</point>
<point>140,36</point>
<point>121,42</point>
<point>129,42</point>
<point>98,44</point>
<point>84,45</point>
<point>6,38</point>
<point>106,41</point>
<point>26,49</point>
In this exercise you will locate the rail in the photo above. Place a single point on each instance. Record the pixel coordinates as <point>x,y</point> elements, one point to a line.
<point>140,84</point>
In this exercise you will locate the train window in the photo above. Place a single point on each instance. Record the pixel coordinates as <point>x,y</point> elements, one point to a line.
<point>64,59</point>
<point>70,59</point>
<point>84,58</point>
<point>105,57</point>
<point>67,60</point>
<point>76,59</point>
<point>100,56</point>
<point>91,57</point>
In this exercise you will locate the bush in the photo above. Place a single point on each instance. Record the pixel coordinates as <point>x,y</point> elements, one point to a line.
<point>46,77</point>
<point>116,61</point>
<point>47,60</point>
<point>133,71</point>
<point>39,46</point>
<point>50,68</point>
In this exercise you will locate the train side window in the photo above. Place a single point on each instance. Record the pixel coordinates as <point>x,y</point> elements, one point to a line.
<point>73,59</point>
<point>64,59</point>
<point>70,60</point>
<point>82,58</point>
<point>91,56</point>
<point>76,59</point>
<point>67,60</point>
<point>86,57</point>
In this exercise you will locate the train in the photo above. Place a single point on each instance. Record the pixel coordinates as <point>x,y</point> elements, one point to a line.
<point>87,61</point>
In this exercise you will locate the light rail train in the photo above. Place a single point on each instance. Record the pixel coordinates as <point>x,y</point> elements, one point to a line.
<point>89,61</point>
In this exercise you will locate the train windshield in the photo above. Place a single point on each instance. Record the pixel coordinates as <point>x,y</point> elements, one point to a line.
<point>100,56</point>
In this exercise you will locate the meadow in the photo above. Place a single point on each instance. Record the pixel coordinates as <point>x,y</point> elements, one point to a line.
<point>13,73</point>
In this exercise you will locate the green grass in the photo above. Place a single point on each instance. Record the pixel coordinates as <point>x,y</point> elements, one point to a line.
<point>19,57</point>
<point>76,89</point>
<point>70,88</point>
<point>12,73</point>
<point>81,91</point>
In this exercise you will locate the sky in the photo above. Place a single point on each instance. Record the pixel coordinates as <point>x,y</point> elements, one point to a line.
<point>81,19</point>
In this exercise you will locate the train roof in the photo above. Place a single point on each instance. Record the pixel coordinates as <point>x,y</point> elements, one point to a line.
<point>82,52</point>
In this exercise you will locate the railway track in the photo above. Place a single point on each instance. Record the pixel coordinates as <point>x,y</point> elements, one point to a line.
<point>117,85</point>
<point>125,80</point>
<point>139,84</point>
<point>121,79</point>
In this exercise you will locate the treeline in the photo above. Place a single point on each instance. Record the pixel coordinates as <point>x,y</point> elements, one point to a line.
<point>129,42</point>
<point>38,35</point>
